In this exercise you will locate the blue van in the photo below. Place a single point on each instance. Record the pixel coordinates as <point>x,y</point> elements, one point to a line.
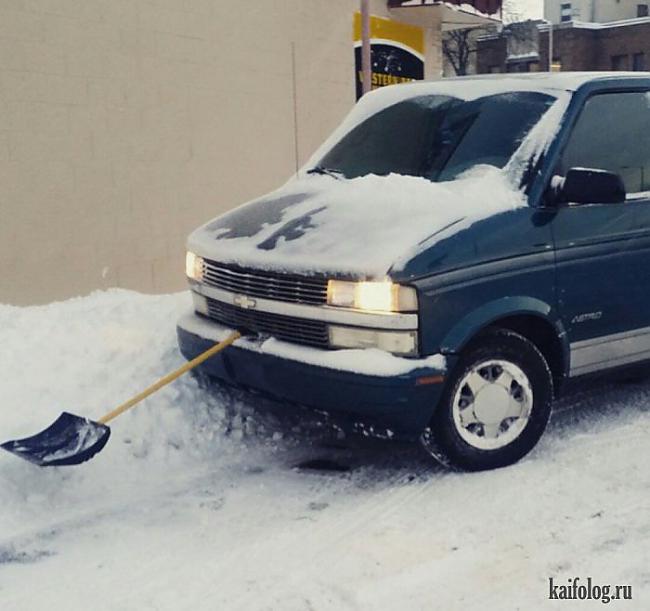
<point>453,254</point>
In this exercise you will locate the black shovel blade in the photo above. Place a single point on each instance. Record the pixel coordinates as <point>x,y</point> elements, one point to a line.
<point>70,440</point>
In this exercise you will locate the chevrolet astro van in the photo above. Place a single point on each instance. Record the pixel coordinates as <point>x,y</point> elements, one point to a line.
<point>446,261</point>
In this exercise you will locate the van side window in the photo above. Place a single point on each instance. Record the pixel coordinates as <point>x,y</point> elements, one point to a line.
<point>613,133</point>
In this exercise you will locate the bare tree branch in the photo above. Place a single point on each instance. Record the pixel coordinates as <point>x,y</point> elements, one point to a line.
<point>458,47</point>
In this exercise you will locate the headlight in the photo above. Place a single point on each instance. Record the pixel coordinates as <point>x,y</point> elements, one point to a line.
<point>397,342</point>
<point>380,296</point>
<point>194,266</point>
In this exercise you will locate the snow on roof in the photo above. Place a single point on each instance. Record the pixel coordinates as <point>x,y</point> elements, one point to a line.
<point>537,81</point>
<point>477,86</point>
<point>468,9</point>
<point>587,25</point>
<point>480,8</point>
<point>466,88</point>
<point>520,57</point>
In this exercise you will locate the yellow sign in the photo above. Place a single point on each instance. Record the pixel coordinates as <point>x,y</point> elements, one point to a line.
<point>397,52</point>
<point>411,36</point>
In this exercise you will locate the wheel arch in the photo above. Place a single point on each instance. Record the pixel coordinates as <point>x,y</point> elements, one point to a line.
<point>528,316</point>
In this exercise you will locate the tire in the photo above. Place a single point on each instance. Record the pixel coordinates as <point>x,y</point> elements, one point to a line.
<point>495,406</point>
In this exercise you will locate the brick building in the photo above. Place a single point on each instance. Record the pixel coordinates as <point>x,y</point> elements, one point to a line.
<point>618,45</point>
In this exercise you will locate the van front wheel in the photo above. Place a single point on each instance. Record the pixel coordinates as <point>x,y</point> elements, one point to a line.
<point>496,404</point>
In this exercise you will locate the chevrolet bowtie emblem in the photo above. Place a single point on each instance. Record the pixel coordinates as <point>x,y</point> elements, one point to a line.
<point>244,302</point>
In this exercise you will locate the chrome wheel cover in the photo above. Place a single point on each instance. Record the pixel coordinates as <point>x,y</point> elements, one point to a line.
<point>492,404</point>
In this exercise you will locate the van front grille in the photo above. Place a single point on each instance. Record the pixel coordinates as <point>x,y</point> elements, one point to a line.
<point>264,284</point>
<point>287,328</point>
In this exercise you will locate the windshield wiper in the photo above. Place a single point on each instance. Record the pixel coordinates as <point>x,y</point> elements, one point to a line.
<point>319,169</point>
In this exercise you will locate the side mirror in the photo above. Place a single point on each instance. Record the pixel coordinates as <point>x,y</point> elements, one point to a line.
<point>588,186</point>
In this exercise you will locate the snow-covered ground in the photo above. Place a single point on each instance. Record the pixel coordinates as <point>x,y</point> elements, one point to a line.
<point>196,504</point>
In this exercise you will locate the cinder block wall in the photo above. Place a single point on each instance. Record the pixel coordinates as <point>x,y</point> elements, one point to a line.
<point>126,123</point>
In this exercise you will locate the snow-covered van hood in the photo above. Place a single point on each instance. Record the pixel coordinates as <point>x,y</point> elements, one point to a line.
<point>366,227</point>
<point>361,227</point>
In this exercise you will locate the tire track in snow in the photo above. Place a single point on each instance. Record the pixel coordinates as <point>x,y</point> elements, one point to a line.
<point>364,519</point>
<point>348,526</point>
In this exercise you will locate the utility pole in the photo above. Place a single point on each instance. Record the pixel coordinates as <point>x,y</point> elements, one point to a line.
<point>365,46</point>
<point>550,43</point>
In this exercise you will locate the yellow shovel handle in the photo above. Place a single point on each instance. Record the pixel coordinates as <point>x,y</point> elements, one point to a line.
<point>171,377</point>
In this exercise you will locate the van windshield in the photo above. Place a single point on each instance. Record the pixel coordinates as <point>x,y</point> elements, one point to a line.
<point>437,137</point>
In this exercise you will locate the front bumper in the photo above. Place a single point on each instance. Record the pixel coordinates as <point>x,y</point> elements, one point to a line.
<point>363,390</point>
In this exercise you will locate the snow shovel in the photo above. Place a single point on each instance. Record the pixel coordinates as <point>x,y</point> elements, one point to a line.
<point>71,440</point>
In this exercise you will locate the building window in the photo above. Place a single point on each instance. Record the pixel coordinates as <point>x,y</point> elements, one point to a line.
<point>641,10</point>
<point>619,62</point>
<point>565,12</point>
<point>638,62</point>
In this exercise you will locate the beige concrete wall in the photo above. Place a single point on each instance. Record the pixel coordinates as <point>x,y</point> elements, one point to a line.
<point>126,123</point>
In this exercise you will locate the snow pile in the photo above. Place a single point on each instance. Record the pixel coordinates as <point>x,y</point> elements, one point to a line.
<point>86,356</point>
<point>361,226</point>
<point>173,514</point>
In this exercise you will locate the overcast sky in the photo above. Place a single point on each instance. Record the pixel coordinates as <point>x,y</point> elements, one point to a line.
<point>529,9</point>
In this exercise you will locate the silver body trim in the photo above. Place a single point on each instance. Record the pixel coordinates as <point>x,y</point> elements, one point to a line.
<point>608,351</point>
<point>343,316</point>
